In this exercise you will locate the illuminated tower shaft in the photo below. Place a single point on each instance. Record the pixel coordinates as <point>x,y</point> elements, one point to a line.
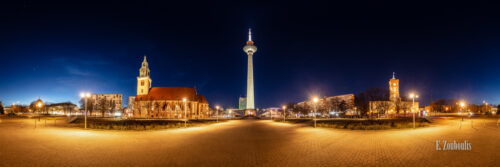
<point>250,49</point>
<point>250,97</point>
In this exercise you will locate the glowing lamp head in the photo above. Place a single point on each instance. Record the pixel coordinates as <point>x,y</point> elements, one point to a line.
<point>315,99</point>
<point>462,104</point>
<point>184,100</point>
<point>217,107</point>
<point>284,107</point>
<point>39,104</point>
<point>84,95</point>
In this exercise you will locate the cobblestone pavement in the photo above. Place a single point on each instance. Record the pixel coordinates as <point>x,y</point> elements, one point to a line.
<point>248,143</point>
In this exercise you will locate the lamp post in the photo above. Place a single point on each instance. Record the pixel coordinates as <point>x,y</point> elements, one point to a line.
<point>85,95</point>
<point>230,113</point>
<point>185,112</point>
<point>315,100</point>
<point>462,105</point>
<point>284,113</point>
<point>486,108</point>
<point>217,113</point>
<point>413,96</point>
<point>470,117</point>
<point>271,113</point>
<point>38,105</point>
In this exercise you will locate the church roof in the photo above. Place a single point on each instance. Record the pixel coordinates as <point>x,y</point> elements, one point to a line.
<point>172,93</point>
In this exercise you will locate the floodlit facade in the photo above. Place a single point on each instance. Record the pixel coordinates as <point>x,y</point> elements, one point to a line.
<point>331,104</point>
<point>167,102</point>
<point>111,102</point>
<point>395,105</point>
<point>242,103</point>
<point>66,108</point>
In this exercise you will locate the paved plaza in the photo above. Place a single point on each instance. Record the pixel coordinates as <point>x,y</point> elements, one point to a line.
<point>247,143</point>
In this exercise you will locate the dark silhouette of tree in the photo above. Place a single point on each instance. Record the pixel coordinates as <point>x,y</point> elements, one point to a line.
<point>498,107</point>
<point>91,105</point>
<point>1,108</point>
<point>362,100</point>
<point>102,105</point>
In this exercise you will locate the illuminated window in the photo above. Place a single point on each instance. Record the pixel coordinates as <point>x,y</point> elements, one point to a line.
<point>142,83</point>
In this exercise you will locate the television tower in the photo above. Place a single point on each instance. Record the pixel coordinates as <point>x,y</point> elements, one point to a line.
<point>250,49</point>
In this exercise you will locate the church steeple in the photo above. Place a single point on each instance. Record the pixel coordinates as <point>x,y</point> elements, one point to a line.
<point>144,71</point>
<point>143,80</point>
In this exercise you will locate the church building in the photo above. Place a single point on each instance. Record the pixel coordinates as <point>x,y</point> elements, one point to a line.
<point>167,102</point>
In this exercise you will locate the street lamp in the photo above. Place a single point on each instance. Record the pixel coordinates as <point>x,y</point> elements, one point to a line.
<point>85,95</point>
<point>185,112</point>
<point>217,113</point>
<point>413,96</point>
<point>284,113</point>
<point>230,113</point>
<point>315,100</point>
<point>462,105</point>
<point>486,108</point>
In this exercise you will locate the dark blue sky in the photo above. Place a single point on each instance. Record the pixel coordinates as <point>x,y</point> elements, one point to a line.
<point>441,50</point>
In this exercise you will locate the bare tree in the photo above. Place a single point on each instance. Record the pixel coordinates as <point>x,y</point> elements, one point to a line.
<point>103,106</point>
<point>1,108</point>
<point>381,107</point>
<point>363,99</point>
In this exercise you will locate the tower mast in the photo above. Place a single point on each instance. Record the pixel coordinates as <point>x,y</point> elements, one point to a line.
<point>250,49</point>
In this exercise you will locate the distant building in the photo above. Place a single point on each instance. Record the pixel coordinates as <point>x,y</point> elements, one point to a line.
<point>275,112</point>
<point>129,111</point>
<point>242,103</point>
<point>166,102</point>
<point>395,104</point>
<point>110,101</point>
<point>333,104</point>
<point>66,108</point>
<point>131,101</point>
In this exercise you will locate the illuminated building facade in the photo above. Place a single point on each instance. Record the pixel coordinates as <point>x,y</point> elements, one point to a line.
<point>242,103</point>
<point>332,103</point>
<point>166,102</point>
<point>109,101</point>
<point>395,105</point>
<point>394,88</point>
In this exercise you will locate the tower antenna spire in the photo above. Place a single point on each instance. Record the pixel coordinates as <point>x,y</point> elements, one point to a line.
<point>249,34</point>
<point>393,75</point>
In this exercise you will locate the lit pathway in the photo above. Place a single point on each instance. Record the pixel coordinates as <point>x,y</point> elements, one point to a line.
<point>246,143</point>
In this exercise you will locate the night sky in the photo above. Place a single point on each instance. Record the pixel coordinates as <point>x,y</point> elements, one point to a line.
<point>440,50</point>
